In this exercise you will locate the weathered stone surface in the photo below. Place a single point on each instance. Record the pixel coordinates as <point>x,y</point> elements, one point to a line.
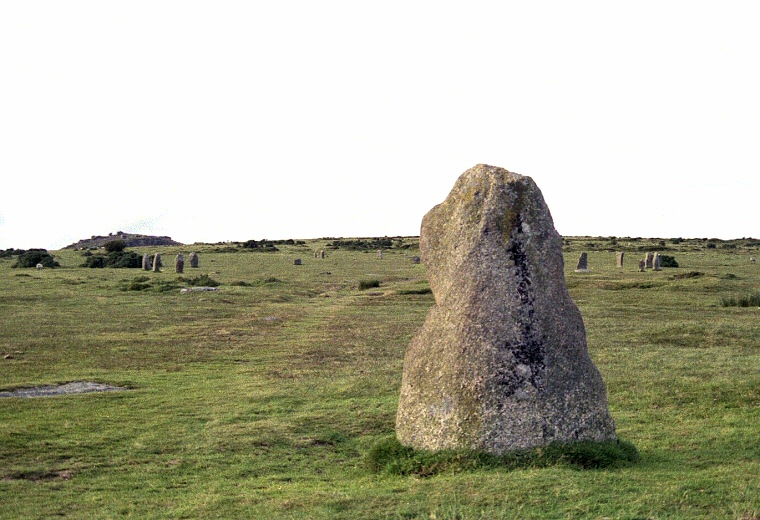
<point>501,362</point>
<point>657,262</point>
<point>157,262</point>
<point>193,258</point>
<point>179,263</point>
<point>620,257</point>
<point>648,261</point>
<point>642,266</point>
<point>147,264</point>
<point>582,262</point>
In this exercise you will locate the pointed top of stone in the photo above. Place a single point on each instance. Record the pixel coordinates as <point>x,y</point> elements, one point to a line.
<point>501,361</point>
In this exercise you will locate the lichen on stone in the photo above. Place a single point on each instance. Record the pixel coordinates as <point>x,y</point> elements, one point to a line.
<point>501,361</point>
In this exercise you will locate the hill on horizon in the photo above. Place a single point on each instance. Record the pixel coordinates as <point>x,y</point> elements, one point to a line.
<point>130,239</point>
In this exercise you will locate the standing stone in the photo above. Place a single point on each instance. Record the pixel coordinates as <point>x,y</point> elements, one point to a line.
<point>179,263</point>
<point>620,257</point>
<point>501,362</point>
<point>642,266</point>
<point>649,259</point>
<point>193,259</point>
<point>657,262</point>
<point>147,265</point>
<point>322,254</point>
<point>582,263</point>
<point>380,254</point>
<point>157,263</point>
<point>316,254</point>
<point>297,261</point>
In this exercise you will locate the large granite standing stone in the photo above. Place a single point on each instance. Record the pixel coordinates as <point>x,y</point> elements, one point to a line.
<point>501,361</point>
<point>193,259</point>
<point>620,258</point>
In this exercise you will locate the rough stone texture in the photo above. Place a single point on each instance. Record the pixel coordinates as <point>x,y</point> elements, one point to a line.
<point>501,361</point>
<point>380,254</point>
<point>620,258</point>
<point>649,260</point>
<point>657,262</point>
<point>179,263</point>
<point>157,263</point>
<point>582,262</point>
<point>193,258</point>
<point>147,264</point>
<point>322,254</point>
<point>642,266</point>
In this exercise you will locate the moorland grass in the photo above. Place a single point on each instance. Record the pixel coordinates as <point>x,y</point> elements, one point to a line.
<point>267,399</point>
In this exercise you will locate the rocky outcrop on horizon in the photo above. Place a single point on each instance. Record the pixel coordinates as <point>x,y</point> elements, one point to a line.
<point>130,239</point>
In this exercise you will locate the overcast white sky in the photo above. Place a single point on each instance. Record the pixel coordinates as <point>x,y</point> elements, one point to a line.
<point>232,120</point>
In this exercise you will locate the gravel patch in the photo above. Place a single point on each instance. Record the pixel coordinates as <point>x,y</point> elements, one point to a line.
<point>77,387</point>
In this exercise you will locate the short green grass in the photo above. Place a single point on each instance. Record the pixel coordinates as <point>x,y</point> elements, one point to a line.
<point>267,397</point>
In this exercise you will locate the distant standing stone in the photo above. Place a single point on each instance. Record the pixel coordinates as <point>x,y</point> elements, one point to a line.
<point>649,259</point>
<point>642,266</point>
<point>657,262</point>
<point>193,259</point>
<point>179,263</point>
<point>147,265</point>
<point>582,263</point>
<point>380,254</point>
<point>501,362</point>
<point>322,253</point>
<point>297,261</point>
<point>157,263</point>
<point>620,257</point>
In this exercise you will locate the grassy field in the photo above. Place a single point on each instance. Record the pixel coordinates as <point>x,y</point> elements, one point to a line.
<point>262,399</point>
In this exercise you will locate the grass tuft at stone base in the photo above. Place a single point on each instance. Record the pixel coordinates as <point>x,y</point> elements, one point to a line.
<point>391,457</point>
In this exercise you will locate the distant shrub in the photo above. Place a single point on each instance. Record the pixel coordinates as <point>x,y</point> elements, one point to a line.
<point>203,280</point>
<point>368,284</point>
<point>711,245</point>
<point>144,283</point>
<point>261,245</point>
<point>86,253</point>
<point>115,246</point>
<point>668,261</point>
<point>95,262</point>
<point>676,240</point>
<point>116,259</point>
<point>241,283</point>
<point>747,300</point>
<point>10,252</point>
<point>362,244</point>
<point>33,257</point>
